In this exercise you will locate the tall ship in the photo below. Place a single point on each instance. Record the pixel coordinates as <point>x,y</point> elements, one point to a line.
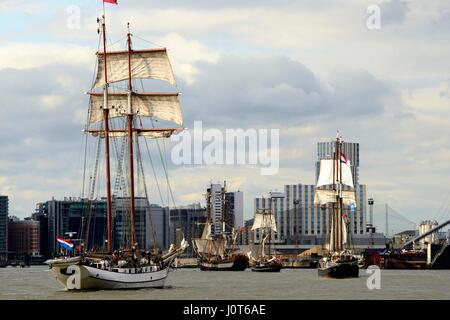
<point>265,222</point>
<point>116,121</point>
<point>335,189</point>
<point>218,252</point>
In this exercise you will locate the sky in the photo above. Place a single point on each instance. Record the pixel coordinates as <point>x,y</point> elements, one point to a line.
<point>307,68</point>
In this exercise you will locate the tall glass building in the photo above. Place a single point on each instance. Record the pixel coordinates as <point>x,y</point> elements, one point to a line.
<point>88,220</point>
<point>3,229</point>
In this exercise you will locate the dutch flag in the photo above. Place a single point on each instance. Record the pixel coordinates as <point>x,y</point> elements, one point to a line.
<point>65,244</point>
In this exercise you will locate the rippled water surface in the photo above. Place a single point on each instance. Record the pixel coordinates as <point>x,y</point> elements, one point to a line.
<point>38,283</point>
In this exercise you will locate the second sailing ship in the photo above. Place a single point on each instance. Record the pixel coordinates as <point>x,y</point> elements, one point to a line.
<point>218,251</point>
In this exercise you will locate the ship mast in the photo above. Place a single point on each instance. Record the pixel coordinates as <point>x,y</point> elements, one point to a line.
<point>106,131</point>
<point>337,205</point>
<point>130,142</point>
<point>208,203</point>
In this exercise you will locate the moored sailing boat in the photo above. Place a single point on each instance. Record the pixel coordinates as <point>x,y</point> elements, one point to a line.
<point>129,267</point>
<point>335,187</point>
<point>213,250</point>
<point>265,221</point>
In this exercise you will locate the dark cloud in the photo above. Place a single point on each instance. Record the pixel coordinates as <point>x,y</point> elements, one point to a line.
<point>278,91</point>
<point>39,117</point>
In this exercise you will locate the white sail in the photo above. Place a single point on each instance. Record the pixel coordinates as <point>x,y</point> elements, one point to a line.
<point>184,244</point>
<point>145,64</point>
<point>263,245</point>
<point>331,246</point>
<point>217,247</point>
<point>326,173</point>
<point>346,177</point>
<point>331,242</point>
<point>264,219</point>
<point>344,231</point>
<point>164,106</point>
<point>201,245</point>
<point>329,196</point>
<point>206,231</point>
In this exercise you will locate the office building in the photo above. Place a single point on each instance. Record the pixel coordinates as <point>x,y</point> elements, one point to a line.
<point>151,224</point>
<point>187,221</point>
<point>23,238</point>
<point>226,207</point>
<point>3,230</point>
<point>85,221</point>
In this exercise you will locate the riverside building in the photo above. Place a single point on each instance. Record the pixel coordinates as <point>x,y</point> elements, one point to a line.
<point>3,230</point>
<point>78,218</point>
<point>227,206</point>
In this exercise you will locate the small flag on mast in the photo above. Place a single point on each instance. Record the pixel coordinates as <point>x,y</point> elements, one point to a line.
<point>344,159</point>
<point>110,1</point>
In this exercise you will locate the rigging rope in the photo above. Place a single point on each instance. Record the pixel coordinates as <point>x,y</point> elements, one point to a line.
<point>165,169</point>
<point>141,169</point>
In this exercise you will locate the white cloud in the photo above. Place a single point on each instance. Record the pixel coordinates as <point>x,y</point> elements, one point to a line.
<point>52,101</point>
<point>34,55</point>
<point>185,53</point>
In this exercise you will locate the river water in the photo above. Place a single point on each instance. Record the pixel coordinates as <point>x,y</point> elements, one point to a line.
<point>38,283</point>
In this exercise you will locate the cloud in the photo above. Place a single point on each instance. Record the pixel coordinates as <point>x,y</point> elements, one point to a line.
<point>33,55</point>
<point>393,11</point>
<point>281,91</point>
<point>185,53</point>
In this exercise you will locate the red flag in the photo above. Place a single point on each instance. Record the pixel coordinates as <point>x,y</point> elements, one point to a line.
<point>110,1</point>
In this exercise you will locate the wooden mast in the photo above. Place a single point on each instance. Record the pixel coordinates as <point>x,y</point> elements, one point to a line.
<point>208,203</point>
<point>224,207</point>
<point>270,212</point>
<point>338,203</point>
<point>130,142</point>
<point>106,125</point>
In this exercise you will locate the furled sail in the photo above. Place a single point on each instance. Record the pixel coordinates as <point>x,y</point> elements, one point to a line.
<point>263,245</point>
<point>145,64</point>
<point>331,245</point>
<point>164,106</point>
<point>146,134</point>
<point>329,196</point>
<point>326,173</point>
<point>264,219</point>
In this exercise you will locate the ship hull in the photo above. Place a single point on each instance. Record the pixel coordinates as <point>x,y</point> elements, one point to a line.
<point>340,270</point>
<point>237,264</point>
<point>82,277</point>
<point>267,268</point>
